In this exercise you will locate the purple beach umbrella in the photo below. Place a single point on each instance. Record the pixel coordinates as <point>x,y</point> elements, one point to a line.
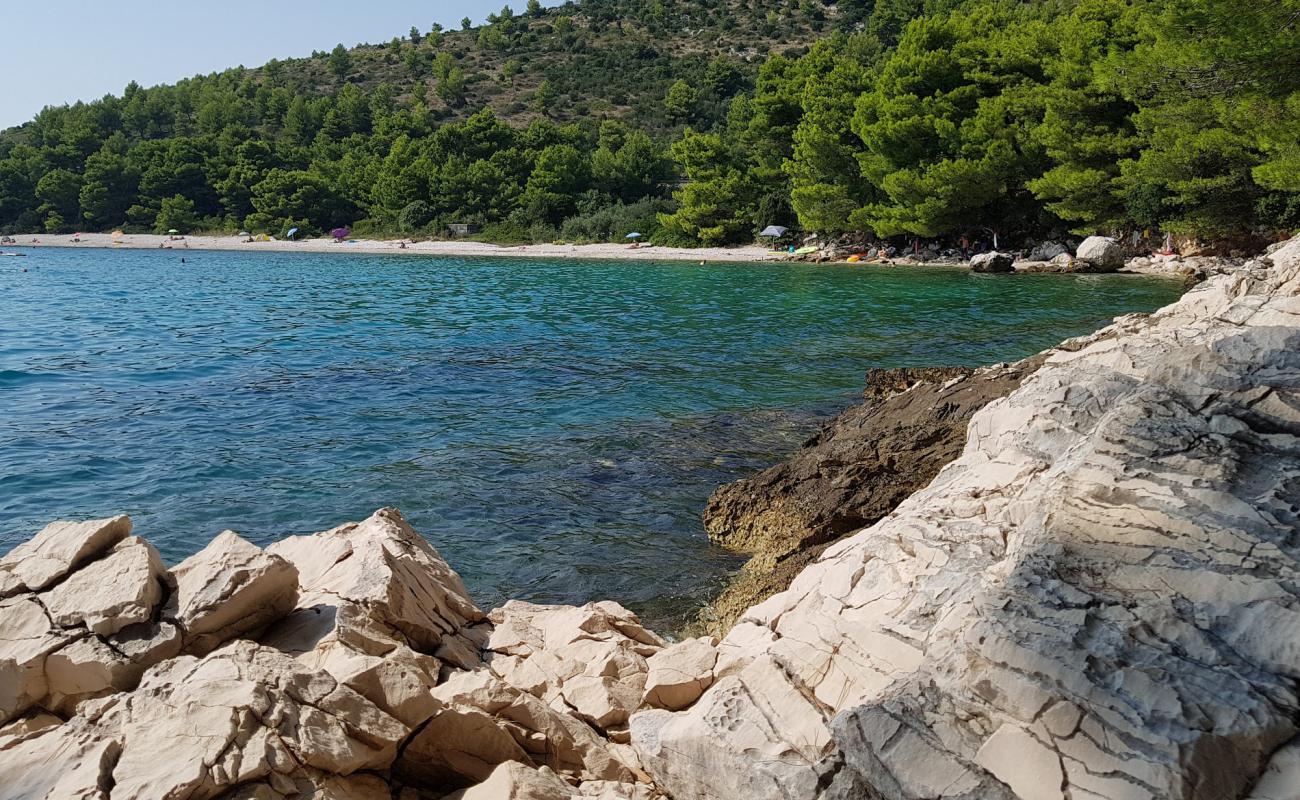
<point>340,233</point>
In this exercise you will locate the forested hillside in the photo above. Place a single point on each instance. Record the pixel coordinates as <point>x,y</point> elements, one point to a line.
<point>702,121</point>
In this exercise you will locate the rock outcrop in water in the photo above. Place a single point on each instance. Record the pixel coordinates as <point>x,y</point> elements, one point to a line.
<point>856,470</point>
<point>1098,598</point>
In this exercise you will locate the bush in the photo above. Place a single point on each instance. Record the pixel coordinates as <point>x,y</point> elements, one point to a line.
<point>415,216</point>
<point>612,223</point>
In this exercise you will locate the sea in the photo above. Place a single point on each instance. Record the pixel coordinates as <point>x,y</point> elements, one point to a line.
<point>552,427</point>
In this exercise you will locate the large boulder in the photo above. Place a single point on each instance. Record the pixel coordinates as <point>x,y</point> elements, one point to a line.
<point>679,674</point>
<point>992,262</point>
<point>121,589</point>
<point>1100,254</point>
<point>1096,599</point>
<point>384,576</point>
<point>1047,251</point>
<point>227,589</point>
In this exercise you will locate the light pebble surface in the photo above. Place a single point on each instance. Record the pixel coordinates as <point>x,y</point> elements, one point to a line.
<point>135,241</point>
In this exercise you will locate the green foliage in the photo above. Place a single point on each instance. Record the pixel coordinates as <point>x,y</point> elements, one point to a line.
<point>544,97</point>
<point>1217,83</point>
<point>715,206</point>
<point>613,222</point>
<point>340,62</point>
<point>908,117</point>
<point>681,101</point>
<point>415,216</point>
<point>177,213</point>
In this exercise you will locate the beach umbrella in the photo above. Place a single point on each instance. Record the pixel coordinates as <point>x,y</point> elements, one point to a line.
<point>291,232</point>
<point>633,235</point>
<point>173,231</point>
<point>774,231</point>
<point>116,234</point>
<point>340,233</point>
<point>243,233</point>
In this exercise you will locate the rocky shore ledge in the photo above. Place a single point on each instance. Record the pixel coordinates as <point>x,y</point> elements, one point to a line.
<point>1098,598</point>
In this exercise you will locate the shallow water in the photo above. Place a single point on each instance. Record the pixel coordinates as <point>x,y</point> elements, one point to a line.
<point>554,428</point>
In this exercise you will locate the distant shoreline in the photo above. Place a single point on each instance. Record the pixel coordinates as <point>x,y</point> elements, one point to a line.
<point>389,247</point>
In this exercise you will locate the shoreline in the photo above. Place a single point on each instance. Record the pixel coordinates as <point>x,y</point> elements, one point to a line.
<point>393,247</point>
<point>748,254</point>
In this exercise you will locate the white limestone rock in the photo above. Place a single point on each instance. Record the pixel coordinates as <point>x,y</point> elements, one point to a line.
<point>514,781</point>
<point>27,637</point>
<point>1102,253</point>
<point>679,674</point>
<point>397,583</point>
<point>227,589</point>
<point>109,594</point>
<point>1281,779</point>
<point>992,262</point>
<point>58,549</point>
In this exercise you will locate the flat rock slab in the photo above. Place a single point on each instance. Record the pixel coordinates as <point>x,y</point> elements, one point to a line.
<point>107,595</point>
<point>59,548</point>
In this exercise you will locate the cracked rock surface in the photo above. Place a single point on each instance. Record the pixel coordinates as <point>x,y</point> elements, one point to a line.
<point>1097,600</point>
<point>346,665</point>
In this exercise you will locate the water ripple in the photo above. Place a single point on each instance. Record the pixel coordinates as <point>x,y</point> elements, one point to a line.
<point>554,428</point>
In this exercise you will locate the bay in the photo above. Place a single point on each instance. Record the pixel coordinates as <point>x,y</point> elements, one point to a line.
<point>552,427</point>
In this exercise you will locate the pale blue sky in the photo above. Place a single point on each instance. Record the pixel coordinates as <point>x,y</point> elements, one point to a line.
<point>59,51</point>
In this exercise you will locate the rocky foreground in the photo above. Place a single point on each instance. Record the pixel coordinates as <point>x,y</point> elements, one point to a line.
<point>1096,599</point>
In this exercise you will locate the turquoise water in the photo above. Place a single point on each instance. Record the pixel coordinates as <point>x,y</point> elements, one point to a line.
<point>554,428</point>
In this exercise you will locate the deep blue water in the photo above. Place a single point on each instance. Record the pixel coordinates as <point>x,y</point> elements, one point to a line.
<point>554,428</point>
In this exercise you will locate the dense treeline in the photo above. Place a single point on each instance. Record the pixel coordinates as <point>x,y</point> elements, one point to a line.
<point>1018,118</point>
<point>589,121</point>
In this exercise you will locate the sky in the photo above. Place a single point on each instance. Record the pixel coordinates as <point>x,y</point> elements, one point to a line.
<point>60,51</point>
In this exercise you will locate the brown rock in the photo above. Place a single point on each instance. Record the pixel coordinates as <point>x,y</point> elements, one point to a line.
<point>852,473</point>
